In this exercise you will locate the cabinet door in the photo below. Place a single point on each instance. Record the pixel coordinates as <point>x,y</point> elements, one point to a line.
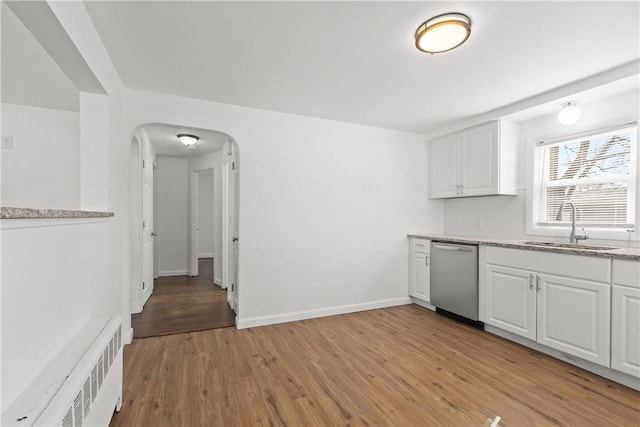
<point>419,276</point>
<point>625,327</point>
<point>511,300</point>
<point>443,169</point>
<point>479,160</point>
<point>574,317</point>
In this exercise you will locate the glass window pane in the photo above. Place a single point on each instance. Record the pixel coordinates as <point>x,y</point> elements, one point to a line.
<point>594,173</point>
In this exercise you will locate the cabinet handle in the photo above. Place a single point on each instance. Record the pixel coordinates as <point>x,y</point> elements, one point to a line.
<point>531,276</point>
<point>426,260</point>
<point>538,283</point>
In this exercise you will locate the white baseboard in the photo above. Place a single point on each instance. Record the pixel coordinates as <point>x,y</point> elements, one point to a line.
<point>421,303</point>
<point>218,282</point>
<point>603,371</point>
<point>173,273</point>
<point>320,312</point>
<point>206,255</point>
<point>127,338</point>
<point>136,307</point>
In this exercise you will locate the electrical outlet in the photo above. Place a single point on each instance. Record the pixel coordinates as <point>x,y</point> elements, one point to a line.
<point>477,222</point>
<point>7,142</point>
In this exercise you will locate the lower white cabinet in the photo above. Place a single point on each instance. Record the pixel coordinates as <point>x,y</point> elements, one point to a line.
<point>574,317</point>
<point>511,300</point>
<point>625,330</point>
<point>560,301</point>
<point>625,317</point>
<point>419,269</point>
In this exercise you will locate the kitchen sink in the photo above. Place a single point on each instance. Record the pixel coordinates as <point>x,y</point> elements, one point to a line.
<point>570,245</point>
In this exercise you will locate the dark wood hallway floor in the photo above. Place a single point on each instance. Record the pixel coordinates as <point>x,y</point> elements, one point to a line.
<point>184,304</point>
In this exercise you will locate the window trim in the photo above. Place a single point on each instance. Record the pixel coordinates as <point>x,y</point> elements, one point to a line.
<point>534,178</point>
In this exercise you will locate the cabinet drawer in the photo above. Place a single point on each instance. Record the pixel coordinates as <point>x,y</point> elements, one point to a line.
<point>577,266</point>
<point>626,273</point>
<point>420,245</point>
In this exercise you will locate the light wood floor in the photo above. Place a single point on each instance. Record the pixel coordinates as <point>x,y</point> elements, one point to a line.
<point>184,304</point>
<point>401,366</point>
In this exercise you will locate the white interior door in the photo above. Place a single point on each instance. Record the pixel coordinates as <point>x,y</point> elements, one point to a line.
<point>235,220</point>
<point>226,232</point>
<point>232,225</point>
<point>147,222</point>
<point>155,217</point>
<point>230,203</point>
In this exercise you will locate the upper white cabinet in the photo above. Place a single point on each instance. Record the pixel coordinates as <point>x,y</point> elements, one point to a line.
<point>443,168</point>
<point>479,161</point>
<point>625,317</point>
<point>419,269</point>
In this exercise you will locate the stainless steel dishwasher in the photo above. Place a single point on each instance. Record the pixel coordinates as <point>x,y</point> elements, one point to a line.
<point>454,280</point>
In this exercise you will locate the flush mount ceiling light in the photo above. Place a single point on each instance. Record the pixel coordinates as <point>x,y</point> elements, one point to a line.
<point>569,114</point>
<point>187,139</point>
<point>443,33</point>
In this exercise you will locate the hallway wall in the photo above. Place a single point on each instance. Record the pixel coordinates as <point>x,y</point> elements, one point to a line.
<point>170,206</point>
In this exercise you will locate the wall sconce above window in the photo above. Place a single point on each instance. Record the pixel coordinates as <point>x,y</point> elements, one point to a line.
<point>569,114</point>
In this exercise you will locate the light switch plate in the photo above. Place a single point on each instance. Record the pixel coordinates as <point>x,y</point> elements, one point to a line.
<point>7,141</point>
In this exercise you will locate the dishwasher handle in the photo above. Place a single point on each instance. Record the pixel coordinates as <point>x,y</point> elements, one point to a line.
<point>453,248</point>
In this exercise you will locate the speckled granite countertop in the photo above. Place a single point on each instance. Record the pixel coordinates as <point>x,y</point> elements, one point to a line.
<point>28,213</point>
<point>578,249</point>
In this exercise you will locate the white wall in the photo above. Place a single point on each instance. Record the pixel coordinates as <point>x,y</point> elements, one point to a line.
<point>171,183</point>
<point>55,276</point>
<point>505,216</point>
<point>324,206</point>
<point>43,168</point>
<point>49,275</point>
<point>206,247</point>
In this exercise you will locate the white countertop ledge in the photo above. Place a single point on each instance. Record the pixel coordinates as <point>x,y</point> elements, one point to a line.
<point>12,218</point>
<point>627,253</point>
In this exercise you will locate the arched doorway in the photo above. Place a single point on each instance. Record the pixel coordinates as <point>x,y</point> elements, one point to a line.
<point>173,197</point>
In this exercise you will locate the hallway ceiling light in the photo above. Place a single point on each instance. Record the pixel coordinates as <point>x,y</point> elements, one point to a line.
<point>187,139</point>
<point>443,33</point>
<point>569,114</point>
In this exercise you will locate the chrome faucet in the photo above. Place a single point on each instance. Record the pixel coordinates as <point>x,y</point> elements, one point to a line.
<point>573,237</point>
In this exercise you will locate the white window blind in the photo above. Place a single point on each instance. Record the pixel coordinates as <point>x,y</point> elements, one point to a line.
<point>596,172</point>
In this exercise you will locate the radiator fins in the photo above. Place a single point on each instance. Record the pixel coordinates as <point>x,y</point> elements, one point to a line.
<point>81,406</point>
<point>78,416</point>
<point>86,394</point>
<point>67,421</point>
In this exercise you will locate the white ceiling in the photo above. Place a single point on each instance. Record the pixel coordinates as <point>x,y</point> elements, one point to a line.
<point>165,141</point>
<point>356,61</point>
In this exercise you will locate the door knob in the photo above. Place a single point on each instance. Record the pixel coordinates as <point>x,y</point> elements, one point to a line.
<point>235,239</point>
<point>154,234</point>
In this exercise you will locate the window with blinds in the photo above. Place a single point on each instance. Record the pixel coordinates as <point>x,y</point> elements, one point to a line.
<point>597,173</point>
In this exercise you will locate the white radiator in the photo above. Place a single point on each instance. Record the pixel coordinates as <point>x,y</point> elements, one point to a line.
<point>81,387</point>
